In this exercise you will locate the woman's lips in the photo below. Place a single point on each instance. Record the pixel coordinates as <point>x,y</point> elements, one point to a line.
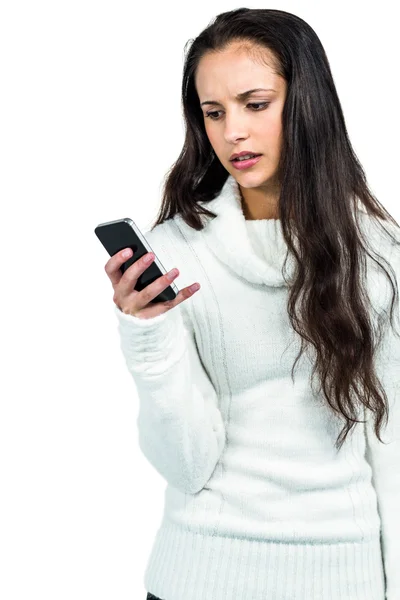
<point>245,164</point>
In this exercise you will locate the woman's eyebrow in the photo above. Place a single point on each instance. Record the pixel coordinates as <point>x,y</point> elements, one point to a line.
<point>241,96</point>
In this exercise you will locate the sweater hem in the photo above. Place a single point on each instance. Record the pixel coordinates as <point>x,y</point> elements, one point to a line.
<point>186,565</point>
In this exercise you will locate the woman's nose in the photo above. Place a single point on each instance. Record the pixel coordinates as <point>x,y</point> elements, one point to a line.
<point>235,129</point>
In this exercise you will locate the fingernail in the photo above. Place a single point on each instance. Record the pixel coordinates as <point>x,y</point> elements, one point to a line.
<point>126,253</point>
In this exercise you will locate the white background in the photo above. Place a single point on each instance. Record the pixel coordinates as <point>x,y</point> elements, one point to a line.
<point>90,123</point>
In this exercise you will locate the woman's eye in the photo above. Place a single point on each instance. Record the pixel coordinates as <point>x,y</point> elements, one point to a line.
<point>215,112</point>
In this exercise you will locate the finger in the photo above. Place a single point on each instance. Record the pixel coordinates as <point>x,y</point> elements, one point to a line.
<point>112,266</point>
<point>129,279</point>
<point>145,296</point>
<point>183,295</point>
<point>159,308</point>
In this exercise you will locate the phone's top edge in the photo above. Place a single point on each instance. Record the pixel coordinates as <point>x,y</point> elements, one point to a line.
<point>126,220</point>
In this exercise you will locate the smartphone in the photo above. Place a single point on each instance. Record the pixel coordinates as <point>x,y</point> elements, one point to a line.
<point>124,233</point>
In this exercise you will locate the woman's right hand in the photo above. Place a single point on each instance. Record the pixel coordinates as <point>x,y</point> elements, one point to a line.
<point>137,304</point>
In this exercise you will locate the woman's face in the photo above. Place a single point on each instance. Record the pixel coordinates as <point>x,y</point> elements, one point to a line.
<point>234,125</point>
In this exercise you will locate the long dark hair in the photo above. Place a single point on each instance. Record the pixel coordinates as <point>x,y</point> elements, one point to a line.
<point>321,180</point>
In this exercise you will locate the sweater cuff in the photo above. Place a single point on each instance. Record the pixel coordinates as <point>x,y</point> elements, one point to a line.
<point>151,344</point>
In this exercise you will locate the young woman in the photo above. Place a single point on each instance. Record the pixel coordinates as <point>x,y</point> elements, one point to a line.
<point>277,488</point>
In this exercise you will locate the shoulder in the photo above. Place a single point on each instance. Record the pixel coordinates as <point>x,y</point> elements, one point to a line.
<point>173,238</point>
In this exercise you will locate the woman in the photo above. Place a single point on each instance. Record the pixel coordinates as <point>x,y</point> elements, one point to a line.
<point>275,489</point>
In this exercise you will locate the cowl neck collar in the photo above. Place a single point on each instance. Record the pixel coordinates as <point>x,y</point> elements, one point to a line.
<point>228,236</point>
<point>256,249</point>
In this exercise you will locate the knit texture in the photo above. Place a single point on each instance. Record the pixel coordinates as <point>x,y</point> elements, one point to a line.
<point>259,503</point>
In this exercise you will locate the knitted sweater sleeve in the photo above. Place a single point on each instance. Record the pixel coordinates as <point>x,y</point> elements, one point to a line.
<point>181,430</point>
<point>385,458</point>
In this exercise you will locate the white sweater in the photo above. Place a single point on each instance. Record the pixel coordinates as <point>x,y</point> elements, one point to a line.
<point>259,504</point>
